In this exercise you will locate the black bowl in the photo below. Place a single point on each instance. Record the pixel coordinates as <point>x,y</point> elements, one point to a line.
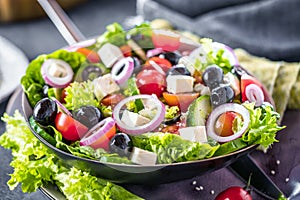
<point>137,174</point>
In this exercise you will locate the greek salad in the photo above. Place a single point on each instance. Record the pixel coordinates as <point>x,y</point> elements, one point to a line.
<point>147,96</point>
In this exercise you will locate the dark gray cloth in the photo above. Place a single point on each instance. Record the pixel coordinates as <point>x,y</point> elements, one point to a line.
<point>268,28</point>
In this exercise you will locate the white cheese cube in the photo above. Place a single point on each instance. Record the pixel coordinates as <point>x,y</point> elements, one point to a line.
<point>110,54</point>
<point>143,157</point>
<point>188,63</point>
<point>179,84</point>
<point>132,119</point>
<point>194,134</point>
<point>104,85</point>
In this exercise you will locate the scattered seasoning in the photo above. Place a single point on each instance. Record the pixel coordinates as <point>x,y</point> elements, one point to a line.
<point>197,188</point>
<point>277,162</point>
<point>212,192</point>
<point>287,180</point>
<point>194,182</point>
<point>201,187</point>
<point>273,172</point>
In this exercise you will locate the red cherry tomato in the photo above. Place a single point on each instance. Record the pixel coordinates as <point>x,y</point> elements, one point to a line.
<point>162,62</point>
<point>151,82</point>
<point>166,39</point>
<point>181,100</point>
<point>70,128</point>
<point>224,124</point>
<point>126,50</point>
<point>245,81</point>
<point>234,193</point>
<point>112,100</point>
<point>91,55</point>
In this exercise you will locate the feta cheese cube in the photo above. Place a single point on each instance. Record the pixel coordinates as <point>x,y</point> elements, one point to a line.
<point>180,84</point>
<point>132,119</point>
<point>104,85</point>
<point>143,157</point>
<point>110,54</point>
<point>194,134</point>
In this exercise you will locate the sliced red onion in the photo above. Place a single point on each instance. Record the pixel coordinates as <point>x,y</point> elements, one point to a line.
<point>228,52</point>
<point>97,131</point>
<point>233,107</point>
<point>122,70</point>
<point>62,107</point>
<point>154,123</point>
<point>154,52</point>
<point>56,81</point>
<point>82,44</point>
<point>255,94</point>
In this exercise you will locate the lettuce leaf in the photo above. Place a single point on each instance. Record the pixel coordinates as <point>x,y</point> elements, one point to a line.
<point>172,148</point>
<point>35,165</point>
<point>142,35</point>
<point>263,125</point>
<point>33,82</point>
<point>115,34</point>
<point>80,94</point>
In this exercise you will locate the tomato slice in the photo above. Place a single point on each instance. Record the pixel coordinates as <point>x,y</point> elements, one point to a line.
<point>245,81</point>
<point>103,141</point>
<point>112,100</point>
<point>182,100</point>
<point>126,50</point>
<point>224,124</point>
<point>166,39</point>
<point>151,82</point>
<point>91,55</point>
<point>70,128</point>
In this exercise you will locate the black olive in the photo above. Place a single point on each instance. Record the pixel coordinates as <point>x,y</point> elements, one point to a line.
<point>137,65</point>
<point>45,90</point>
<point>121,144</point>
<point>222,94</point>
<point>179,69</point>
<point>173,120</point>
<point>171,56</point>
<point>238,70</point>
<point>45,111</point>
<point>88,115</point>
<point>212,76</point>
<point>90,73</point>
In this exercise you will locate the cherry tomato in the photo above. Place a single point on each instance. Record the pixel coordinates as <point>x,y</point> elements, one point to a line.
<point>181,100</point>
<point>151,82</point>
<point>91,55</point>
<point>126,50</point>
<point>234,193</point>
<point>70,128</point>
<point>112,100</point>
<point>172,128</point>
<point>166,39</point>
<point>224,124</point>
<point>162,62</point>
<point>245,81</point>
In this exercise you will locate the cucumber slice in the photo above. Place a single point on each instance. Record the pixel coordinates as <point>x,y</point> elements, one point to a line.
<point>198,111</point>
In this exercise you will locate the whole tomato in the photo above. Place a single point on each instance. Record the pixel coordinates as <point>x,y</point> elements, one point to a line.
<point>234,193</point>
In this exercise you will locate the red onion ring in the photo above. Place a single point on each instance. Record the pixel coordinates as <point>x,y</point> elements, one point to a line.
<point>97,131</point>
<point>255,94</point>
<point>234,107</point>
<point>228,52</point>
<point>82,44</point>
<point>127,64</point>
<point>154,123</point>
<point>57,82</point>
<point>60,105</point>
<point>154,52</point>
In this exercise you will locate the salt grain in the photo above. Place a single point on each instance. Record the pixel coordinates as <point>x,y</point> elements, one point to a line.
<point>197,188</point>
<point>287,180</point>
<point>277,162</point>
<point>273,172</point>
<point>194,182</point>
<point>212,192</point>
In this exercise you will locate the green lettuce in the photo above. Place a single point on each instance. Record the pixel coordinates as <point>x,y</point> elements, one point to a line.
<point>115,34</point>
<point>80,94</point>
<point>33,82</point>
<point>142,35</point>
<point>35,166</point>
<point>132,90</point>
<point>263,125</point>
<point>172,148</point>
